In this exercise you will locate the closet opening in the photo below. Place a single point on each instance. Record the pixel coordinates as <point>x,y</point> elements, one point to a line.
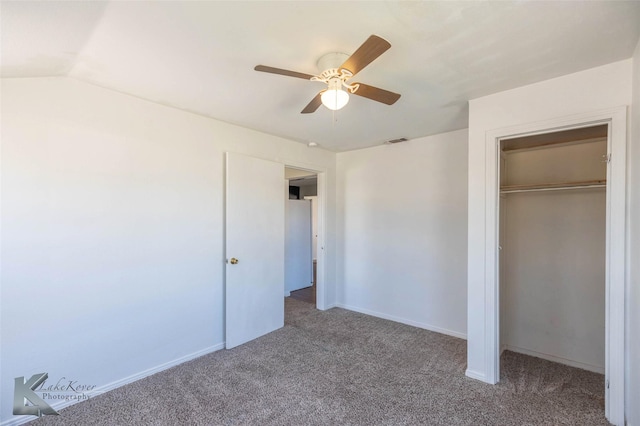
<point>486,335</point>
<point>552,253</point>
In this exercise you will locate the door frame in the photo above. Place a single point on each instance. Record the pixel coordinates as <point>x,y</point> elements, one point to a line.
<point>321,263</point>
<point>616,251</point>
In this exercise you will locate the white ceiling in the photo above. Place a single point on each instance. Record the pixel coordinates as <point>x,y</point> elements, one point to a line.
<point>199,56</point>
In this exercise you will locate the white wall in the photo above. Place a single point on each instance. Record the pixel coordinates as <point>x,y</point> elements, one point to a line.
<point>552,293</point>
<point>402,231</point>
<point>112,230</point>
<point>633,301</point>
<point>587,91</point>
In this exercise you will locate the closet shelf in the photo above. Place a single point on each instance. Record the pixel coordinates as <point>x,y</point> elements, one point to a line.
<point>507,189</point>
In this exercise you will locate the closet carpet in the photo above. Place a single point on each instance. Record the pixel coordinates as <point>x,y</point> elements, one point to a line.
<point>343,368</point>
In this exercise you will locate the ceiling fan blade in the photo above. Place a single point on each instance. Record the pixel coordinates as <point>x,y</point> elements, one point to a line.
<point>288,73</point>
<point>376,94</point>
<point>313,105</point>
<point>373,47</point>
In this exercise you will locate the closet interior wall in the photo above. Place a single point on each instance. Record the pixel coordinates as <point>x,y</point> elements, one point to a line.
<point>553,246</point>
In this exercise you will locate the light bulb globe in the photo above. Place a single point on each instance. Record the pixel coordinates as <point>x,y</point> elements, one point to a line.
<point>334,99</point>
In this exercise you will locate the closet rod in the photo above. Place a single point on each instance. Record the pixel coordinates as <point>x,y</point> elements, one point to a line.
<point>555,188</point>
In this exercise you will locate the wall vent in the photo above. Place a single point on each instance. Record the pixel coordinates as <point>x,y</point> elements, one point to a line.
<point>392,141</point>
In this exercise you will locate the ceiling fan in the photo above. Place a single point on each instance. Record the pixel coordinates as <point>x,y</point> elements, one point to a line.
<point>336,69</point>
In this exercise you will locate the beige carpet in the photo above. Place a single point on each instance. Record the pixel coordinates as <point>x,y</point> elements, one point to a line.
<point>343,368</point>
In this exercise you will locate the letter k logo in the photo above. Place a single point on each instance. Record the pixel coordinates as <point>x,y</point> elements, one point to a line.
<point>24,390</point>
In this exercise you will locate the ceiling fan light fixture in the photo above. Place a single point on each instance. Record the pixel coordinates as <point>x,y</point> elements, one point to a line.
<point>334,97</point>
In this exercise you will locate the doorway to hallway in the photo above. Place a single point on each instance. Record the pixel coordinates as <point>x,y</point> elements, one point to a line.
<point>301,247</point>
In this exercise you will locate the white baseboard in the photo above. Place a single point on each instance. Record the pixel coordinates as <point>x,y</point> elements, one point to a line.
<point>557,359</point>
<point>330,306</point>
<point>403,321</point>
<point>287,293</point>
<point>475,375</point>
<point>18,420</point>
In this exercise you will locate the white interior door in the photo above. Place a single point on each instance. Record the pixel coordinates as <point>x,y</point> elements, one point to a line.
<point>254,250</point>
<point>298,271</point>
<point>314,225</point>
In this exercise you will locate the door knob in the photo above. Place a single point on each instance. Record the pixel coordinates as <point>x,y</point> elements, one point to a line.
<point>233,261</point>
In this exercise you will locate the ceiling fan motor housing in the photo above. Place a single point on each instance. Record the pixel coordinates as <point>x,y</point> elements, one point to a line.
<point>331,60</point>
